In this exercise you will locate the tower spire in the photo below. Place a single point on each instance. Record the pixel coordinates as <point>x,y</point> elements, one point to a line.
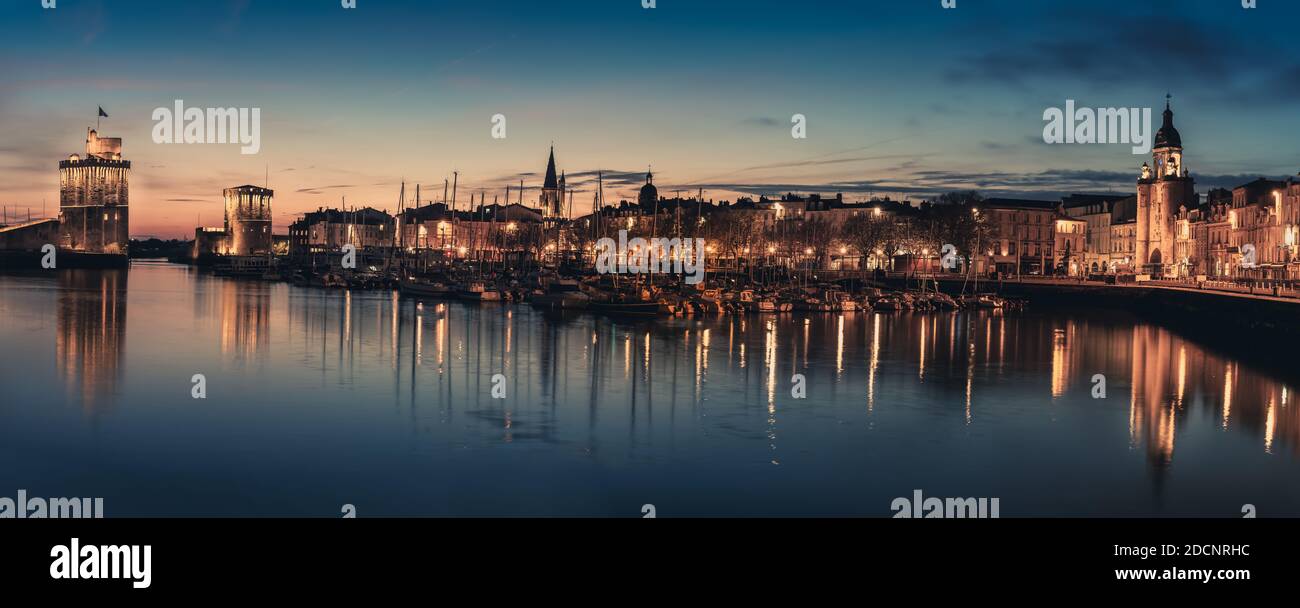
<point>551,180</point>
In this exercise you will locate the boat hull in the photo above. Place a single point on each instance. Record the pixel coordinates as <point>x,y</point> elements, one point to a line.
<point>426,291</point>
<point>479,296</point>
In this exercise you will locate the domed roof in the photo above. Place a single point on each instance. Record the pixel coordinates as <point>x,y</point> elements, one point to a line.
<point>1167,136</point>
<point>649,193</point>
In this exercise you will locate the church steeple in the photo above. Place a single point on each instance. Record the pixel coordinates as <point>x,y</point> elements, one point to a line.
<point>551,201</point>
<point>551,180</point>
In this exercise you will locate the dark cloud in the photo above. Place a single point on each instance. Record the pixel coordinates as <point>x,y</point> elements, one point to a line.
<point>1166,50</point>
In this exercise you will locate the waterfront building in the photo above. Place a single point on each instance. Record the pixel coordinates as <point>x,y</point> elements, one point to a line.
<point>1163,187</point>
<point>1022,235</point>
<point>328,230</point>
<point>1069,240</point>
<point>427,227</point>
<point>1123,235</point>
<point>209,241</point>
<point>1256,223</point>
<point>94,198</point>
<point>488,232</point>
<point>1095,211</point>
<point>1186,248</point>
<point>1212,232</point>
<point>1290,197</point>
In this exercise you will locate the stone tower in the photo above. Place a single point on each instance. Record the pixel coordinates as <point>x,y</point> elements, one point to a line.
<point>248,220</point>
<point>1161,190</point>
<point>93,198</point>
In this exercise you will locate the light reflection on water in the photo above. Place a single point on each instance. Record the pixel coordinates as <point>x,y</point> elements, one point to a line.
<point>319,398</point>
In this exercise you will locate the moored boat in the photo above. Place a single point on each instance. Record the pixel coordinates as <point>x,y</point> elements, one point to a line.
<point>563,294</point>
<point>477,291</point>
<point>754,303</point>
<point>415,287</point>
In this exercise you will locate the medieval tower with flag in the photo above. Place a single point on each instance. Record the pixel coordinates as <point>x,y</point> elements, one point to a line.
<point>94,198</point>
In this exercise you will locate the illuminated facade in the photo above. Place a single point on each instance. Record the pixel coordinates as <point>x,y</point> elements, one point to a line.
<point>328,230</point>
<point>1022,235</point>
<point>248,220</point>
<point>1162,190</point>
<point>93,198</point>
<point>247,229</point>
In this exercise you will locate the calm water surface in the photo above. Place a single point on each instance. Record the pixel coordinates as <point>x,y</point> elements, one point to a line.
<point>320,398</point>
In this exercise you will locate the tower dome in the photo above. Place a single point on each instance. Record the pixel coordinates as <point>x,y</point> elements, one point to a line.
<point>649,193</point>
<point>1167,136</point>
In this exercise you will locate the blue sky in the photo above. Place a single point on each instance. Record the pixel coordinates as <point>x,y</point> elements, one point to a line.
<point>902,97</point>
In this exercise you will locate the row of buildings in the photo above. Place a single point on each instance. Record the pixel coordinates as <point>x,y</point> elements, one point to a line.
<point>1166,229</point>
<point>1163,228</point>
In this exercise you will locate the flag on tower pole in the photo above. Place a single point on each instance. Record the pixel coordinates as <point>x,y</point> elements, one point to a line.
<point>102,114</point>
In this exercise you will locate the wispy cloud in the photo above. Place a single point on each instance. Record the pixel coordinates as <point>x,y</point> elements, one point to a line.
<point>318,189</point>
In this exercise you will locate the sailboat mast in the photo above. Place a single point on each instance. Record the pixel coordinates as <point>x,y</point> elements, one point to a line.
<point>454,220</point>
